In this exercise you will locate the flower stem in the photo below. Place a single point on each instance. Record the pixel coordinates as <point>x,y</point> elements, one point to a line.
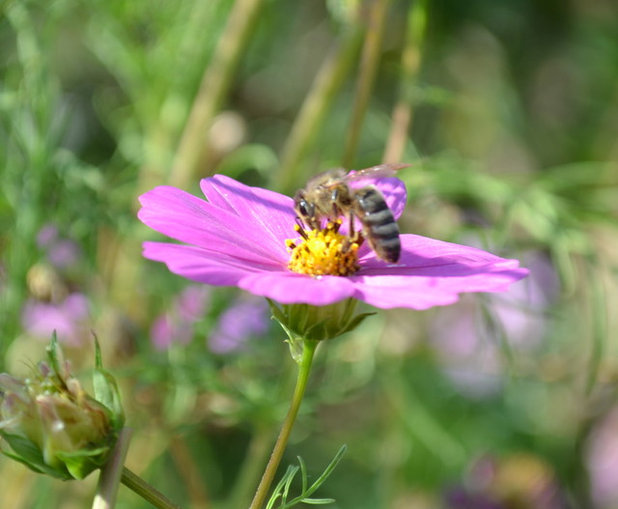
<point>315,107</point>
<point>368,67</point>
<point>304,367</point>
<point>109,479</point>
<point>410,65</point>
<point>146,491</point>
<point>214,86</point>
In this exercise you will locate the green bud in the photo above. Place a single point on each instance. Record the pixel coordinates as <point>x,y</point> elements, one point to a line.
<point>52,425</point>
<point>317,323</point>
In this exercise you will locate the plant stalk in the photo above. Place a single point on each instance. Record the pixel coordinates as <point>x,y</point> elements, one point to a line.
<point>315,107</point>
<point>110,476</point>
<point>214,86</point>
<point>304,368</point>
<point>410,65</point>
<point>368,67</point>
<point>146,491</point>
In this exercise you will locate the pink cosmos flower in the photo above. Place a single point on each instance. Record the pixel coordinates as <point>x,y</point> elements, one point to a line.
<point>238,238</point>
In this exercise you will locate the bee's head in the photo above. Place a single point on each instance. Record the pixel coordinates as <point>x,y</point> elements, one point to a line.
<point>304,208</point>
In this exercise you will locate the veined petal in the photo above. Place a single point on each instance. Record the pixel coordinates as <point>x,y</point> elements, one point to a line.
<point>271,212</point>
<point>433,273</point>
<point>204,266</point>
<point>288,288</point>
<point>431,257</point>
<point>189,219</point>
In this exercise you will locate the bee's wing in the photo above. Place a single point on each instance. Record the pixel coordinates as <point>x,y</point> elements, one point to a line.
<point>381,170</point>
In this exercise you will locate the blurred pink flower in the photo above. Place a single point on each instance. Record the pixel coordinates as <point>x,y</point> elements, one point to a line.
<point>469,347</point>
<point>238,238</point>
<point>177,324</point>
<point>68,318</point>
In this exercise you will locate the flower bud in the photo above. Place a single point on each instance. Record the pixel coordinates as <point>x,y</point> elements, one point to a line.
<point>52,425</point>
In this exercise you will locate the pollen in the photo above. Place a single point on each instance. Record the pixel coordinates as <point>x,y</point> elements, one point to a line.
<point>323,252</point>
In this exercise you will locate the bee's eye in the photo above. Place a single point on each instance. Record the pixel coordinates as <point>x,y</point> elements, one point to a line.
<point>303,208</point>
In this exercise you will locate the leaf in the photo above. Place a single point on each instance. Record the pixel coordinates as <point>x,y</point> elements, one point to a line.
<point>82,463</point>
<point>106,389</point>
<point>29,454</point>
<point>307,492</point>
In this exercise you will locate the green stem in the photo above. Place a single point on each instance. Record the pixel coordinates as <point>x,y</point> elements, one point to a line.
<point>146,491</point>
<point>315,107</point>
<point>368,67</point>
<point>214,86</point>
<point>304,368</point>
<point>109,479</point>
<point>410,64</point>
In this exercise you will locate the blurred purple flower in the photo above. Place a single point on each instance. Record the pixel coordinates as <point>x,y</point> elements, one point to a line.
<point>46,235</point>
<point>61,252</point>
<point>177,324</point>
<point>467,344</point>
<point>238,238</point>
<point>602,461</point>
<point>245,319</point>
<point>68,318</point>
<point>460,498</point>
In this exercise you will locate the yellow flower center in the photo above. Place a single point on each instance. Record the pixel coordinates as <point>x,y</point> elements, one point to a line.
<point>323,252</point>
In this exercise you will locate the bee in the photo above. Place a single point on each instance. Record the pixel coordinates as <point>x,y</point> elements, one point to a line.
<point>329,196</point>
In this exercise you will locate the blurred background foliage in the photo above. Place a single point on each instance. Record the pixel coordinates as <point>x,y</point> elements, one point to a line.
<point>509,112</point>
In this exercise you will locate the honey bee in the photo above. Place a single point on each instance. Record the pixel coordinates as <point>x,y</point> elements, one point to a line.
<point>328,196</point>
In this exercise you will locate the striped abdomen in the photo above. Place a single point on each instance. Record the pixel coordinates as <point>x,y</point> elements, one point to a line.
<point>379,225</point>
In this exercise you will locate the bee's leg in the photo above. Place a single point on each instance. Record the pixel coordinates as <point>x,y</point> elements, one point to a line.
<point>300,227</point>
<point>353,237</point>
<point>351,226</point>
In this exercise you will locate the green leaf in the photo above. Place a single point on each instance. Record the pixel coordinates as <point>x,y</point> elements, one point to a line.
<point>106,389</point>
<point>29,454</point>
<point>81,463</point>
<point>306,492</point>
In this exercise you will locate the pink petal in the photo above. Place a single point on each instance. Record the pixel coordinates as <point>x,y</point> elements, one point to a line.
<point>288,288</point>
<point>201,265</point>
<point>192,220</point>
<point>269,212</point>
<point>433,273</point>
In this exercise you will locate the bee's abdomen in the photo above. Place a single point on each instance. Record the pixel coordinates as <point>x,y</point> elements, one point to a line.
<point>380,226</point>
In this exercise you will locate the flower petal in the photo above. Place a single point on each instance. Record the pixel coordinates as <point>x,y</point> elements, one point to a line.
<point>272,212</point>
<point>289,288</point>
<point>433,273</point>
<point>200,265</point>
<point>192,220</point>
